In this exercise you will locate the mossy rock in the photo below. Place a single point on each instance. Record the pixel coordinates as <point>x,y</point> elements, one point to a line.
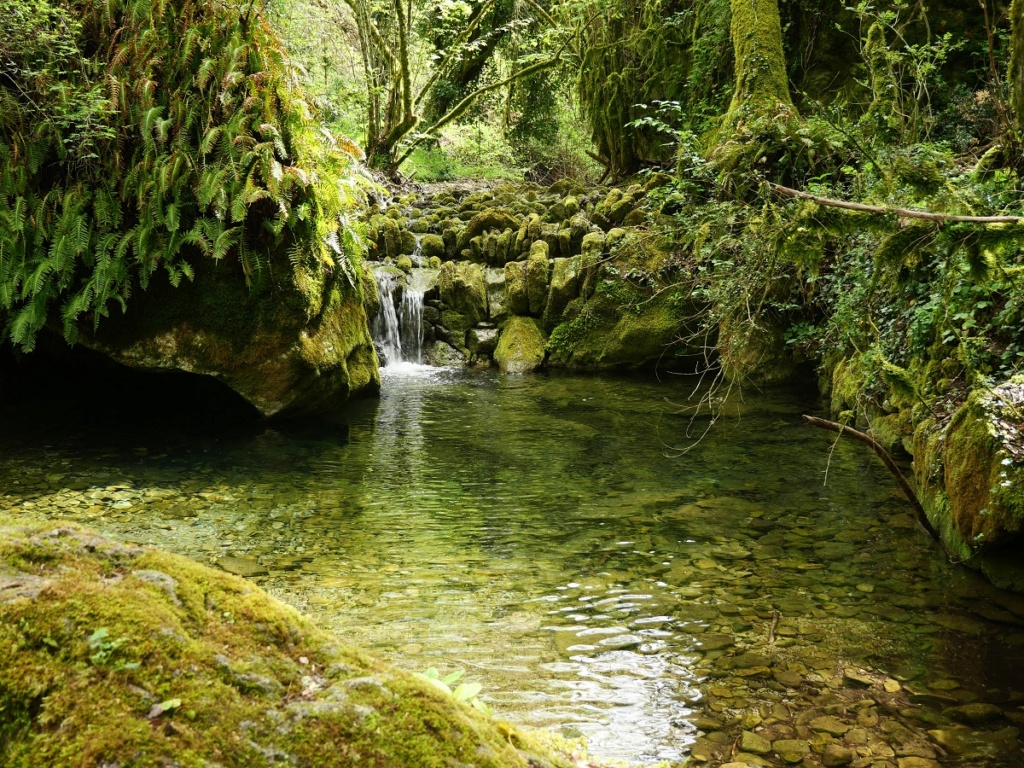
<point>984,478</point>
<point>598,334</point>
<point>517,299</point>
<point>300,346</point>
<point>566,276</point>
<point>371,296</point>
<point>486,221</point>
<point>464,290</point>
<point>520,346</point>
<point>404,263</point>
<point>119,655</point>
<point>754,353</point>
<point>537,277</point>
<point>432,245</point>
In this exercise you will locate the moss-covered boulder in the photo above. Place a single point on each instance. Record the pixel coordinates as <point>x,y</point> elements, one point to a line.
<point>566,276</point>
<point>600,334</point>
<point>486,221</point>
<point>432,245</point>
<point>537,277</point>
<point>116,655</point>
<point>520,346</point>
<point>299,345</point>
<point>518,300</point>
<point>463,289</point>
<point>984,465</point>
<point>371,296</point>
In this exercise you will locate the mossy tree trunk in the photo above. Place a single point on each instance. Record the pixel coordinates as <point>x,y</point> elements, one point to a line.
<point>762,86</point>
<point>1016,73</point>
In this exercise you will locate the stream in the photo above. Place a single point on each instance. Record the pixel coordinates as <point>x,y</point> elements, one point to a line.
<point>568,542</point>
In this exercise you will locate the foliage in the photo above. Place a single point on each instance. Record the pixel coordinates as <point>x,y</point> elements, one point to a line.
<point>138,137</point>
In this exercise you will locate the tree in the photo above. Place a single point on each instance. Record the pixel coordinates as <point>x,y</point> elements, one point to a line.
<point>761,83</point>
<point>397,102</point>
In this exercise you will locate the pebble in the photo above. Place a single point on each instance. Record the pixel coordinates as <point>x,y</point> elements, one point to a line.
<point>755,743</point>
<point>241,566</point>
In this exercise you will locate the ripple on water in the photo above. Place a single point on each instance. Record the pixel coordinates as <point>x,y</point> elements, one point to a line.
<point>542,534</point>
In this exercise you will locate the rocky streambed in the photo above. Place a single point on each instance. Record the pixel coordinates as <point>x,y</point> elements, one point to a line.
<point>545,535</point>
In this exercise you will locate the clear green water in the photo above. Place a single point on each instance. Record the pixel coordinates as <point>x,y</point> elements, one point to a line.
<point>546,534</point>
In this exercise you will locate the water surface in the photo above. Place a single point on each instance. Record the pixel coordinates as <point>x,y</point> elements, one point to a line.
<point>549,535</point>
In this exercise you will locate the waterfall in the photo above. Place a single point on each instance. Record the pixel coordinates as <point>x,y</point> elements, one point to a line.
<point>398,326</point>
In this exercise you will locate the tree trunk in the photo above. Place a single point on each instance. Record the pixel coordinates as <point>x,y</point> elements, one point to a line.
<point>1016,73</point>
<point>762,86</point>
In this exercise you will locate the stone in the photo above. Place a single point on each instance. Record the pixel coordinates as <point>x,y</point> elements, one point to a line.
<point>565,286</point>
<point>444,355</point>
<point>858,678</point>
<point>485,221</point>
<point>520,346</point>
<point>222,680</point>
<point>518,301</point>
<point>974,714</point>
<point>829,724</point>
<point>432,245</point>
<point>791,750</point>
<point>303,347</point>
<point>537,277</point>
<point>835,756</point>
<point>714,642</point>
<point>463,290</point>
<point>482,341</point>
<point>755,743</point>
<point>788,679</point>
<point>242,566</point>
<point>917,762</point>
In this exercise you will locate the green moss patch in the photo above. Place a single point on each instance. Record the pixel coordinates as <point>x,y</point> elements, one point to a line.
<point>119,655</point>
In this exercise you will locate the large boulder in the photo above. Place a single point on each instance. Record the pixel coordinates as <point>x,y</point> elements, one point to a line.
<point>520,346</point>
<point>119,655</point>
<point>298,345</point>
<point>984,466</point>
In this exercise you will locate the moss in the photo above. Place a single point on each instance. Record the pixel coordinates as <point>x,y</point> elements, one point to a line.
<point>520,346</point>
<point>244,680</point>
<point>433,246</point>
<point>464,290</point>
<point>755,353</point>
<point>515,288</point>
<point>762,85</point>
<point>537,277</point>
<point>984,484</point>
<point>598,334</point>
<point>485,221</point>
<point>1016,71</point>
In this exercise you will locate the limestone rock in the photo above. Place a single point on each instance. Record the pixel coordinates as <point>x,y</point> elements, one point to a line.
<point>104,658</point>
<point>485,221</point>
<point>300,345</point>
<point>520,346</point>
<point>518,301</point>
<point>432,245</point>
<point>537,277</point>
<point>565,286</point>
<point>464,290</point>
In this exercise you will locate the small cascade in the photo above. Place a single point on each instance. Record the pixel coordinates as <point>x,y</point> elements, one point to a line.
<point>398,326</point>
<point>386,330</point>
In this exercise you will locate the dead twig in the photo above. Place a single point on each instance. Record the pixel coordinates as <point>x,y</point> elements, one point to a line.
<point>889,462</point>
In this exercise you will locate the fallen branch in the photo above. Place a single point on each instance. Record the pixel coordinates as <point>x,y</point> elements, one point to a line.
<point>889,462</point>
<point>902,213</point>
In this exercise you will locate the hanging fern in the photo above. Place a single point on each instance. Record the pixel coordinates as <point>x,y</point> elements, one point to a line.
<point>138,137</point>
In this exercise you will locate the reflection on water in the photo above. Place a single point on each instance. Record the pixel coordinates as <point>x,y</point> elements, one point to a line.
<point>543,534</point>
